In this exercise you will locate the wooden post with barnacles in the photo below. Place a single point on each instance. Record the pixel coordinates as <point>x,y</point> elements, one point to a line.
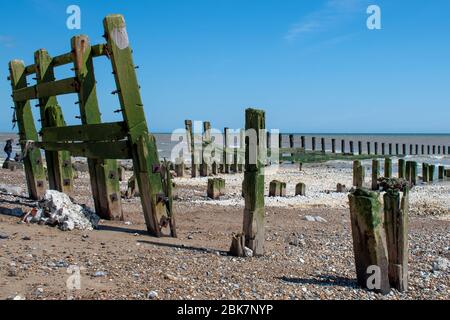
<point>105,184</point>
<point>143,149</point>
<point>191,147</point>
<point>34,168</point>
<point>59,164</point>
<point>205,168</point>
<point>254,211</point>
<point>368,239</point>
<point>396,207</point>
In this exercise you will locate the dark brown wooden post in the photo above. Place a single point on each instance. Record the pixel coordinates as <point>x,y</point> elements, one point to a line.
<point>342,146</point>
<point>375,174</point>
<point>396,208</point>
<point>404,149</point>
<point>322,140</point>
<point>314,144</point>
<point>368,148</point>
<point>376,148</point>
<point>383,149</point>
<point>390,149</point>
<point>352,147</point>
<point>333,146</point>
<point>303,138</point>
<point>397,149</point>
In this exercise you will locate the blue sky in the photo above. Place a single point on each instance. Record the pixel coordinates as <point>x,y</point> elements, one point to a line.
<point>312,65</point>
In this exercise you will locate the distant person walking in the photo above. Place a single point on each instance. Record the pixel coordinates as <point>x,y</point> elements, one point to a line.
<point>8,149</point>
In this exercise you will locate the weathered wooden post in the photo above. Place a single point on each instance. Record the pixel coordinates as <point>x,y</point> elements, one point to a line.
<point>428,150</point>
<point>417,149</point>
<point>322,140</point>
<point>254,211</point>
<point>216,188</point>
<point>342,146</point>
<point>383,149</point>
<point>226,151</point>
<point>404,149</point>
<point>303,138</point>
<point>439,150</point>
<point>33,164</point>
<point>390,149</point>
<point>388,168</point>
<point>333,146</point>
<point>105,184</point>
<point>375,174</point>
<point>143,147</point>
<point>313,143</point>
<point>369,239</point>
<point>413,173</point>
<point>434,150</point>
<point>291,145</point>
<point>441,172</point>
<point>358,174</point>
<point>368,148</point>
<point>300,189</point>
<point>423,149</point>
<point>205,167</point>
<point>401,168</point>
<point>444,152</point>
<point>195,169</point>
<point>280,140</point>
<point>59,164</point>
<point>241,157</point>
<point>425,172</point>
<point>180,167</point>
<point>277,189</point>
<point>376,148</point>
<point>397,149</point>
<point>352,148</point>
<point>432,169</point>
<point>396,208</point>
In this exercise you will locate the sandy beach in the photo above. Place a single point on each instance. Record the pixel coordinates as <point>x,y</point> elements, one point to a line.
<point>303,259</point>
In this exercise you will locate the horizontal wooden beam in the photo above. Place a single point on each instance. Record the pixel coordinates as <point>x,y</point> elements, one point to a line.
<point>91,150</point>
<point>97,51</point>
<point>86,133</point>
<point>45,90</point>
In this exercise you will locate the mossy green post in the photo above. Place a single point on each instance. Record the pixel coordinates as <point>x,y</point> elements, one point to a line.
<point>369,242</point>
<point>375,174</point>
<point>105,185</point>
<point>396,208</point>
<point>216,188</point>
<point>33,163</point>
<point>388,168</point>
<point>59,164</point>
<point>143,147</point>
<point>254,211</point>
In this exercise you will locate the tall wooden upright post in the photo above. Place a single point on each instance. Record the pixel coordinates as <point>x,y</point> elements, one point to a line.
<point>205,170</point>
<point>254,211</point>
<point>59,164</point>
<point>34,168</point>
<point>105,184</point>
<point>146,163</point>
<point>226,151</point>
<point>195,169</point>
<point>375,174</point>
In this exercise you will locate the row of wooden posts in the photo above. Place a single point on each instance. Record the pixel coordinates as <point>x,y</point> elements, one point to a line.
<point>407,170</point>
<point>386,148</point>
